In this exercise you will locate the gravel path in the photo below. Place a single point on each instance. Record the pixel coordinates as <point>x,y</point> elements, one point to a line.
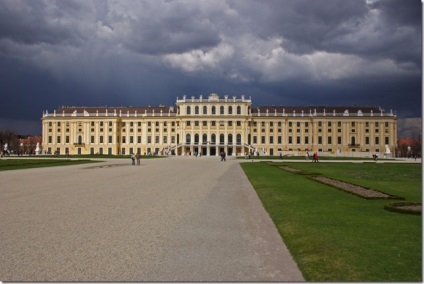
<point>174,219</point>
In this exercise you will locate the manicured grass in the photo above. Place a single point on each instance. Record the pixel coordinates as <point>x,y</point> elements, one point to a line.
<point>285,158</point>
<point>18,164</point>
<point>336,236</point>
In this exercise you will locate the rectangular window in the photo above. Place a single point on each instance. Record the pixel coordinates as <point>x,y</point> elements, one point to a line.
<point>92,139</point>
<point>255,139</point>
<point>298,124</point>
<point>329,140</point>
<point>376,124</point>
<point>66,139</point>
<point>138,139</point>
<point>213,123</point>
<point>131,139</point>
<point>339,140</point>
<point>298,139</point>
<point>238,123</point>
<point>172,139</point>
<point>271,139</point>
<point>319,139</point>
<point>367,140</point>
<point>124,139</point>
<point>230,123</point>
<point>156,139</point>
<point>306,139</point>
<point>165,139</point>
<point>339,124</point>
<point>101,139</point>
<point>149,139</point>
<point>279,139</point>
<point>110,139</point>
<point>188,123</point>
<point>386,140</point>
<point>329,124</point>
<point>290,140</point>
<point>377,140</point>
<point>263,139</point>
<point>205,123</point>
<point>58,139</point>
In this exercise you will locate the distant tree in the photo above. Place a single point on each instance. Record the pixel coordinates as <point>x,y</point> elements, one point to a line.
<point>416,146</point>
<point>11,138</point>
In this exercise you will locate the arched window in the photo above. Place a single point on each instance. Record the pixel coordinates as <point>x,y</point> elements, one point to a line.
<point>221,110</point>
<point>249,139</point>
<point>196,138</point>
<point>196,110</point>
<point>213,110</point>
<point>213,139</point>
<point>230,110</point>
<point>188,139</point>
<point>238,109</point>
<point>238,139</point>
<point>188,110</point>
<point>230,139</point>
<point>79,139</point>
<point>204,138</point>
<point>221,139</point>
<point>205,110</point>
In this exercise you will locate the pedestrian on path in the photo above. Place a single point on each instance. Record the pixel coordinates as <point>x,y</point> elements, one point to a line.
<point>223,156</point>
<point>133,159</point>
<point>138,157</point>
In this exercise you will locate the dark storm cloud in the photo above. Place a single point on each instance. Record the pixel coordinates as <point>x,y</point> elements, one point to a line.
<point>384,29</point>
<point>33,22</point>
<point>297,52</point>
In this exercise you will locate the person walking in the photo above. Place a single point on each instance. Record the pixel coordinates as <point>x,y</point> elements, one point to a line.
<point>138,157</point>
<point>223,156</point>
<point>133,159</point>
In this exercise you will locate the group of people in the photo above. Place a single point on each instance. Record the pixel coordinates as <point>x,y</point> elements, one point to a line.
<point>136,157</point>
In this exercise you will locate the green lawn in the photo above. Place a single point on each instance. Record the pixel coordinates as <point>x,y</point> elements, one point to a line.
<point>336,236</point>
<point>18,164</point>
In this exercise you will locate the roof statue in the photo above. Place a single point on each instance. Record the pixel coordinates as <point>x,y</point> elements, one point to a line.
<point>213,97</point>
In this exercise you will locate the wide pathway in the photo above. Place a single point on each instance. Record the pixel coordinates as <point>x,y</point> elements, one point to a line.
<point>173,219</point>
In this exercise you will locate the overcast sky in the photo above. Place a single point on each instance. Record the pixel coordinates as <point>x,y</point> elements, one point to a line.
<point>138,53</point>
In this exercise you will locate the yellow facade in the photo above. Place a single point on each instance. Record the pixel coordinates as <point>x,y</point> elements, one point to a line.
<point>207,126</point>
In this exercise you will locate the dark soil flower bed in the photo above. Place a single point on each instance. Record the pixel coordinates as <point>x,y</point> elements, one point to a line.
<point>405,207</point>
<point>355,189</point>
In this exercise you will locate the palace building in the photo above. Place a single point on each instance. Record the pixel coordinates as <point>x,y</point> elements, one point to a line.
<point>209,125</point>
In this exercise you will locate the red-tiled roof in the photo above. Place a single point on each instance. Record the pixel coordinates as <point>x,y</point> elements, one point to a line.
<point>312,109</point>
<point>110,110</point>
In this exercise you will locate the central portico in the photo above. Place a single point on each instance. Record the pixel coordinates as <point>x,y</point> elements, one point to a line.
<point>213,124</point>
